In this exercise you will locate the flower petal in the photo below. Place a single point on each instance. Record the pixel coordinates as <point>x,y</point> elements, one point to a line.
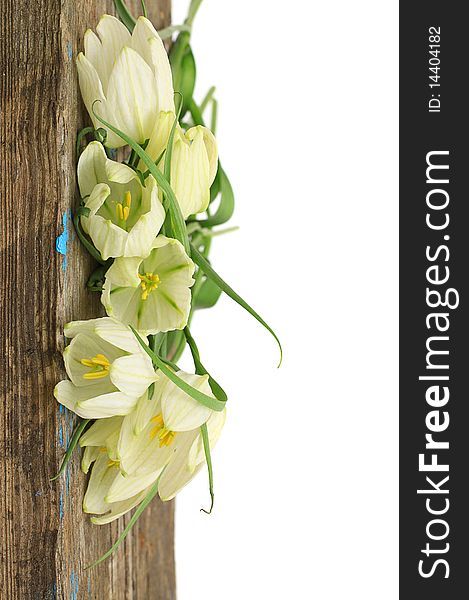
<point>214,428</point>
<point>180,411</point>
<point>147,42</point>
<point>83,402</point>
<point>100,431</point>
<point>108,238</point>
<point>102,476</point>
<point>119,508</point>
<point>91,168</point>
<point>133,96</point>
<point>117,334</point>
<point>211,147</point>
<point>133,374</point>
<point>114,36</point>
<point>107,405</point>
<point>90,86</point>
<point>123,488</point>
<point>148,225</point>
<point>190,174</point>
<point>86,346</point>
<point>178,474</point>
<point>90,454</point>
<point>159,136</point>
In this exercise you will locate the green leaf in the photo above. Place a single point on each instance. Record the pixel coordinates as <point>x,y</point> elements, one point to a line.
<point>141,507</point>
<point>176,54</point>
<point>71,447</point>
<point>216,388</point>
<point>203,264</point>
<point>208,295</point>
<point>208,459</point>
<point>167,32</point>
<point>169,146</point>
<point>86,243</point>
<point>206,100</point>
<point>175,339</point>
<point>178,223</point>
<point>81,134</point>
<point>225,209</point>
<point>124,14</point>
<point>161,364</point>
<point>187,79</point>
<point>193,8</point>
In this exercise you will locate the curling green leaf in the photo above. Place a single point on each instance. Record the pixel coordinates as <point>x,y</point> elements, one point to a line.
<point>216,388</point>
<point>208,459</point>
<point>187,79</point>
<point>161,364</point>
<point>225,209</point>
<point>81,134</point>
<point>203,264</point>
<point>71,447</point>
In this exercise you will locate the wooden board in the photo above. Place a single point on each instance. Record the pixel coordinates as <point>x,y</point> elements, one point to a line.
<point>45,539</point>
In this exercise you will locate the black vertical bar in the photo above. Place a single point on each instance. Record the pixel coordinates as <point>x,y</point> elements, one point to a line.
<point>434,252</point>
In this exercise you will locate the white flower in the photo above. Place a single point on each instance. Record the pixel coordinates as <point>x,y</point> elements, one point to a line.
<point>100,443</point>
<point>129,74</point>
<point>159,438</point>
<point>124,217</point>
<point>107,367</point>
<point>152,294</point>
<point>193,168</point>
<point>164,433</point>
<point>194,163</point>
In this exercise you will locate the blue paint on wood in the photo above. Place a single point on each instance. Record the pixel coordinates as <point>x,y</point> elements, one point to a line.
<point>69,50</point>
<point>62,240</point>
<point>74,584</point>
<point>61,436</point>
<point>61,506</point>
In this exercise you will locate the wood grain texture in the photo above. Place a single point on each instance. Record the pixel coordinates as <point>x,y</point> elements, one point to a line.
<point>45,540</point>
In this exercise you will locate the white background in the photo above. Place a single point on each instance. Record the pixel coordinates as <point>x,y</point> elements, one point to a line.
<point>306,469</point>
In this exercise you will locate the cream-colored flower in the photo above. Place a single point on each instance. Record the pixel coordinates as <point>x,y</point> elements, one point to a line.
<point>164,433</point>
<point>152,294</point>
<point>124,217</point>
<point>160,438</point>
<point>194,163</point>
<point>129,74</point>
<point>107,367</point>
<point>100,447</point>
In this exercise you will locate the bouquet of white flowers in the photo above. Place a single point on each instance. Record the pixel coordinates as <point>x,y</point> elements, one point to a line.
<point>147,427</point>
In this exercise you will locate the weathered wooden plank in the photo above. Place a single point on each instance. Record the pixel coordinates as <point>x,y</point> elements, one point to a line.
<point>45,539</point>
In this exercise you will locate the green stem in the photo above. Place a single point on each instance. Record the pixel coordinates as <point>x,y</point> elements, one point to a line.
<point>71,447</point>
<point>88,245</point>
<point>206,100</point>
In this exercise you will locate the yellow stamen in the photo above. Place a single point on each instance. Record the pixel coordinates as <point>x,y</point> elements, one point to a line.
<point>123,210</point>
<point>165,435</point>
<point>113,463</point>
<point>99,365</point>
<point>148,283</point>
<point>120,212</point>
